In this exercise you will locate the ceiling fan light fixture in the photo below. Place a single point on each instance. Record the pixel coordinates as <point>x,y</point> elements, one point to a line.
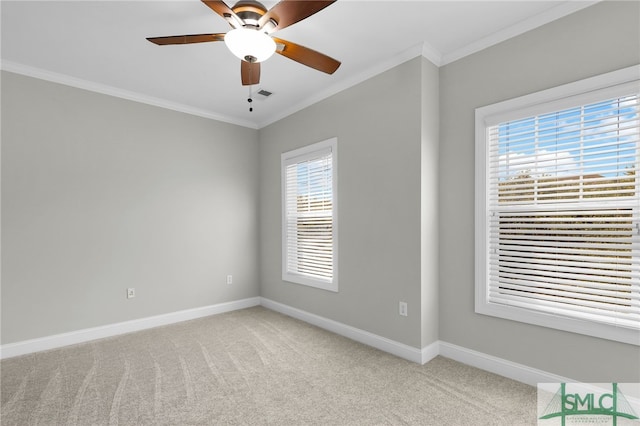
<point>249,44</point>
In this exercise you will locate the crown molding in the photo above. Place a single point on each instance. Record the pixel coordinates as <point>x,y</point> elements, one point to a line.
<point>379,68</point>
<point>431,54</point>
<point>521,27</point>
<point>104,89</point>
<point>422,49</point>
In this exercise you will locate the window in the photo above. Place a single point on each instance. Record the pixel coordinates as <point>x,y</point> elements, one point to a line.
<point>558,208</point>
<point>309,216</point>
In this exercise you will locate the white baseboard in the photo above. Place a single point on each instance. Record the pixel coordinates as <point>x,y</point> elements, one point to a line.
<point>387,345</point>
<point>502,367</point>
<point>512,370</point>
<point>87,334</point>
<point>429,352</point>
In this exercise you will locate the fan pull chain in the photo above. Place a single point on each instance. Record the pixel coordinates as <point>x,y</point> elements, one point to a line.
<point>250,100</point>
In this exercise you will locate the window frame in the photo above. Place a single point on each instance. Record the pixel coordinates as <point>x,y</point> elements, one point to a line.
<point>299,155</point>
<point>616,83</point>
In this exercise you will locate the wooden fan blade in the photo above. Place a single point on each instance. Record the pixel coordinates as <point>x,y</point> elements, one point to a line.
<point>221,8</point>
<point>250,73</point>
<point>307,57</point>
<point>186,39</point>
<point>288,12</point>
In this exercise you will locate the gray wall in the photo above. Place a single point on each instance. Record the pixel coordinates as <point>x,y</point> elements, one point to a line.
<point>378,126</point>
<point>100,194</point>
<point>601,38</point>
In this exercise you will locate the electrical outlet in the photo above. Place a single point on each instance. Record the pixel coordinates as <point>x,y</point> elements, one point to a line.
<point>403,309</point>
<point>229,279</point>
<point>131,293</point>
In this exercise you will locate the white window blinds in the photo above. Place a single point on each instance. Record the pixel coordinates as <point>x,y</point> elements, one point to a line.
<point>563,212</point>
<point>309,228</point>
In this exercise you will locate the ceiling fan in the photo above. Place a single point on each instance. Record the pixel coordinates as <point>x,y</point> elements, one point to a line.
<point>250,38</point>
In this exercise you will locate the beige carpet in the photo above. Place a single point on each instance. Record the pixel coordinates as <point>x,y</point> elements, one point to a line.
<point>250,367</point>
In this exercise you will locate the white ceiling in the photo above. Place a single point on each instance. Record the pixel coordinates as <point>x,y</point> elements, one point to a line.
<point>101,46</point>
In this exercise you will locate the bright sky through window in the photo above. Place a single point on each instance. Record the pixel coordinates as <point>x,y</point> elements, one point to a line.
<point>575,141</point>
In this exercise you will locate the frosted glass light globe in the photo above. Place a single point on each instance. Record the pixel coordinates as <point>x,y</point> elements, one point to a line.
<point>250,44</point>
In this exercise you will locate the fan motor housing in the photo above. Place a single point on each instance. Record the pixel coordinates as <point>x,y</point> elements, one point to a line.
<point>249,11</point>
